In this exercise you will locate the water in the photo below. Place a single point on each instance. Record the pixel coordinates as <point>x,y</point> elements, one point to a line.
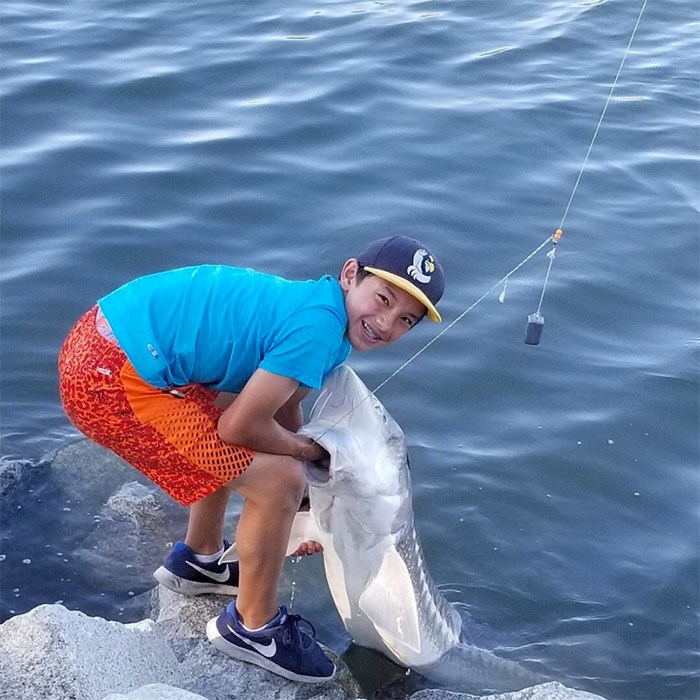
<point>556,487</point>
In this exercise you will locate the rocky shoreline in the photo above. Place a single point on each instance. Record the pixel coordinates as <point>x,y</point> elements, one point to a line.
<point>53,652</point>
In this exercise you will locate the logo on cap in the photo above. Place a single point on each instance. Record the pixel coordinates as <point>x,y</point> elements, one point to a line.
<point>423,266</point>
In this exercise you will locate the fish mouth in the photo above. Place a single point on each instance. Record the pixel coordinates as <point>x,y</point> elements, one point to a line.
<point>318,472</point>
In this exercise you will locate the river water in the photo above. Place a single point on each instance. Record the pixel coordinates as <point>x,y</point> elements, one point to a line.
<point>555,486</point>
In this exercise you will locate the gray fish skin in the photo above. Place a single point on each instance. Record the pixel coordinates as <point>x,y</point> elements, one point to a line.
<point>362,514</point>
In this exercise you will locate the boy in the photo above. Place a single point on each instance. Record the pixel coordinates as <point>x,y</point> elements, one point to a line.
<point>141,372</point>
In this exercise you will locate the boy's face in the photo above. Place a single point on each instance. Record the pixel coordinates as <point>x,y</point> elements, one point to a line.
<point>379,313</point>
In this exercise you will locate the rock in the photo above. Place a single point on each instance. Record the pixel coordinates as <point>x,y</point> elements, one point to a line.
<point>10,473</point>
<point>84,462</point>
<point>545,691</point>
<point>17,474</point>
<point>138,503</point>
<point>182,621</point>
<point>128,540</point>
<point>54,653</point>
<point>156,691</point>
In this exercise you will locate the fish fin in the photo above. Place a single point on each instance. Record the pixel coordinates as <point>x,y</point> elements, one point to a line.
<point>335,575</point>
<point>303,529</point>
<point>390,603</point>
<point>231,554</point>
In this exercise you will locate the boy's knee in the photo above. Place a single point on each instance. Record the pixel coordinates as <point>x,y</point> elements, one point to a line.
<point>292,480</point>
<point>275,478</point>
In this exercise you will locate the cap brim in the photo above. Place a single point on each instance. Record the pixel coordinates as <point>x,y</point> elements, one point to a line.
<point>432,313</point>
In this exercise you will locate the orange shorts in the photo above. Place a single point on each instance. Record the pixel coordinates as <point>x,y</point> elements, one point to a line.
<point>171,438</point>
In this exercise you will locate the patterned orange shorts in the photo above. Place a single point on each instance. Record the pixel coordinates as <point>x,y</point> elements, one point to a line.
<point>171,438</point>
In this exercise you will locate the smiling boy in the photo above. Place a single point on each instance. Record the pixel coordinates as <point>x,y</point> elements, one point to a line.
<point>141,373</point>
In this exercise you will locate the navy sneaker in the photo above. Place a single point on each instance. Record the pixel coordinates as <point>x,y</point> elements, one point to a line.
<point>281,646</point>
<point>183,573</point>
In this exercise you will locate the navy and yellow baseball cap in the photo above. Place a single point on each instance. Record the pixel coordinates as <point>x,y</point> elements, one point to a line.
<point>409,265</point>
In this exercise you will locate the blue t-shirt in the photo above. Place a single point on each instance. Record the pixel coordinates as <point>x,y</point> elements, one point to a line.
<point>215,325</point>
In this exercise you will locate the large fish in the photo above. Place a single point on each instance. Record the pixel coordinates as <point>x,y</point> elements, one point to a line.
<point>362,514</point>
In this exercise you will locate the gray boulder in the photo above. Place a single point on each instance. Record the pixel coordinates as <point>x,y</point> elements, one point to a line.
<point>545,691</point>
<point>203,670</point>
<point>54,653</point>
<point>51,652</point>
<point>156,691</point>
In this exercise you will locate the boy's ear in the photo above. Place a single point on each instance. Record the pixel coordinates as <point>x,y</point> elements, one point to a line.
<point>348,274</point>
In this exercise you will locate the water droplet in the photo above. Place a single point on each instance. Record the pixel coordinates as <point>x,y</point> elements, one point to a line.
<point>636,493</point>
<point>611,442</point>
<point>26,561</point>
<point>2,557</point>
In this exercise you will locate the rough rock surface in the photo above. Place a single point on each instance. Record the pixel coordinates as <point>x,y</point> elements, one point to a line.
<point>156,691</point>
<point>52,652</point>
<point>545,691</point>
<point>55,653</point>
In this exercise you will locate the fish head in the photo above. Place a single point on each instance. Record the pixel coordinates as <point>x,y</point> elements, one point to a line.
<point>366,445</point>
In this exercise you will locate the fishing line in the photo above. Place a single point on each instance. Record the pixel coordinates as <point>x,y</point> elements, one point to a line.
<point>535,320</point>
<point>429,343</point>
<point>503,280</point>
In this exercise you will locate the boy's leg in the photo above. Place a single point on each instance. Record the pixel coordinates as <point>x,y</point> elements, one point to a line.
<point>272,486</point>
<point>205,527</point>
<point>254,627</point>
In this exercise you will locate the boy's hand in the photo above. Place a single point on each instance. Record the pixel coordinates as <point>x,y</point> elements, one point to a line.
<point>313,452</point>
<point>305,549</point>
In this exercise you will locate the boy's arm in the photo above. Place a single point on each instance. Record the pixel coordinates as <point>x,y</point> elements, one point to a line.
<point>252,419</point>
<point>290,415</point>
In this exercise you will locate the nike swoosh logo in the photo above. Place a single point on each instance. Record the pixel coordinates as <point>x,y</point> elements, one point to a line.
<point>220,578</point>
<point>268,650</point>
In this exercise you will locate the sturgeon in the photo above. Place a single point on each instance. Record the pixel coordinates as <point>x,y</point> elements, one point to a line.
<point>361,513</point>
